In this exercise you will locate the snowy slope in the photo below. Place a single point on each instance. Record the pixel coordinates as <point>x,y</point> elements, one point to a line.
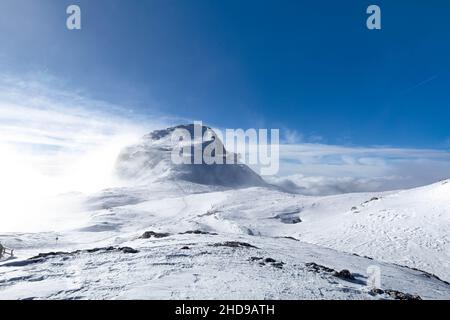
<point>406,227</point>
<point>162,269</point>
<point>223,239</point>
<point>203,266</point>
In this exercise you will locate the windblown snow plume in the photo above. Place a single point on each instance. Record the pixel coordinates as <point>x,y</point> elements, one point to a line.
<point>54,142</point>
<point>151,160</point>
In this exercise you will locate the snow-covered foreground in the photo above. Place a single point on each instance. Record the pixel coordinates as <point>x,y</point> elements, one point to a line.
<point>410,227</point>
<point>174,264</point>
<point>222,232</point>
<point>187,266</point>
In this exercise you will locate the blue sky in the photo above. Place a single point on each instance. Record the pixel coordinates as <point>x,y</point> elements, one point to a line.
<point>358,110</point>
<point>308,66</point>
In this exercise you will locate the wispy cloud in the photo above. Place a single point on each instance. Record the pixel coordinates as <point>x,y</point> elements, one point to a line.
<point>41,119</point>
<point>54,140</point>
<point>292,136</point>
<point>419,84</point>
<point>328,169</point>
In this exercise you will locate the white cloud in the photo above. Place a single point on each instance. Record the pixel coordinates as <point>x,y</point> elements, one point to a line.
<point>53,141</point>
<point>318,169</point>
<point>292,136</point>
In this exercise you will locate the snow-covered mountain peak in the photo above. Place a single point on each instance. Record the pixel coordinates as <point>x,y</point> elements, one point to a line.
<point>165,134</point>
<point>151,160</point>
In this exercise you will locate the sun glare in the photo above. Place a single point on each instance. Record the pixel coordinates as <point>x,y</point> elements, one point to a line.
<point>42,192</point>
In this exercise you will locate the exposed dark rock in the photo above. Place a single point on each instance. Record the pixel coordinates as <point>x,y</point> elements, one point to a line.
<point>21,263</point>
<point>344,274</point>
<point>278,265</point>
<point>376,291</point>
<point>250,232</point>
<point>312,266</point>
<point>354,208</point>
<point>50,254</point>
<point>185,248</point>
<point>98,249</point>
<point>371,199</point>
<point>233,244</point>
<point>152,234</point>
<point>401,295</point>
<point>255,258</point>
<point>128,250</point>
<point>397,295</point>
<point>199,232</point>
<point>357,255</point>
<point>295,220</point>
<point>43,256</point>
<point>270,261</point>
